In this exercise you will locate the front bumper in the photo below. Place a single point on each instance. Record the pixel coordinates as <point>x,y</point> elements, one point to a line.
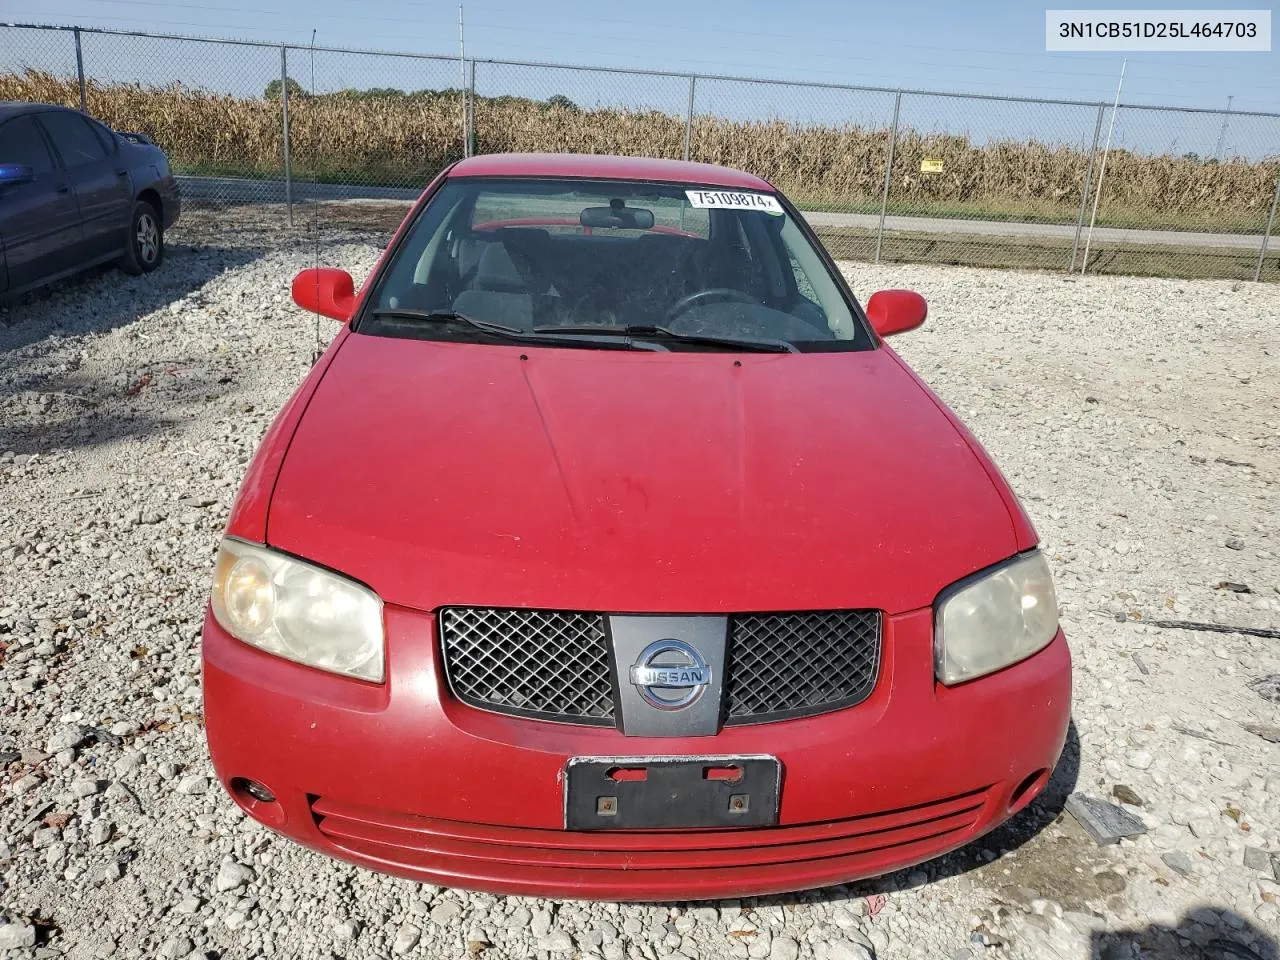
<point>403,779</point>
<point>170,201</point>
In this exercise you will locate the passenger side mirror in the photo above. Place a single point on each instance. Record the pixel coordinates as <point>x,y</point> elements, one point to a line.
<point>14,173</point>
<point>896,311</point>
<point>326,291</point>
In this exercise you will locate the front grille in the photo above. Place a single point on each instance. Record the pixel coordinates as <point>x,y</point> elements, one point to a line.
<point>535,663</point>
<point>792,664</point>
<point>554,665</point>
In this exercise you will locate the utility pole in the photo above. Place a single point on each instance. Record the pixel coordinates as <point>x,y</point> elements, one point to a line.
<point>1217,151</point>
<point>462,86</point>
<point>1102,170</point>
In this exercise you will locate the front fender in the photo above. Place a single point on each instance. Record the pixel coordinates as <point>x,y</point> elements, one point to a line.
<point>248,519</point>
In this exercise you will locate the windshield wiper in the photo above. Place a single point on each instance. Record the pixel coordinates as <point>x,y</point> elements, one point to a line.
<point>762,345</point>
<point>619,341</point>
<point>450,316</point>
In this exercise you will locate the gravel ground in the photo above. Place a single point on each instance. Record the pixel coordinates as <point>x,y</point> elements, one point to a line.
<point>1138,419</point>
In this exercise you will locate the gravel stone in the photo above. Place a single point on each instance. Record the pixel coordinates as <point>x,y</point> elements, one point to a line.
<point>444,913</point>
<point>845,950</point>
<point>1126,794</point>
<point>1259,861</point>
<point>85,788</point>
<point>1140,759</point>
<point>556,941</point>
<point>1106,401</point>
<point>193,785</point>
<point>232,876</point>
<point>174,948</point>
<point>16,936</point>
<point>25,784</point>
<point>68,738</point>
<point>112,872</point>
<point>1178,862</point>
<point>234,919</point>
<point>541,923</point>
<point>519,919</point>
<point>406,939</point>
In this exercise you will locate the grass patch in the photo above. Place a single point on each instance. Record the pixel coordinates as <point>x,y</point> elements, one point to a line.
<point>1036,253</point>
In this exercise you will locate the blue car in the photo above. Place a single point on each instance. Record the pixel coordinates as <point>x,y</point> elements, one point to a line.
<point>74,194</point>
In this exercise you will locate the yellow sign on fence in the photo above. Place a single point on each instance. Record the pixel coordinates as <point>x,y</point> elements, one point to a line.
<point>930,166</point>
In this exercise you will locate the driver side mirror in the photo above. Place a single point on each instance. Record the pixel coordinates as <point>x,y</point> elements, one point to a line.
<point>896,311</point>
<point>326,291</point>
<point>15,173</point>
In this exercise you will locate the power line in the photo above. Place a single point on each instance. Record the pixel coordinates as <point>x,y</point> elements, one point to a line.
<point>365,16</point>
<point>896,42</point>
<point>702,62</point>
<point>877,79</point>
<point>258,11</point>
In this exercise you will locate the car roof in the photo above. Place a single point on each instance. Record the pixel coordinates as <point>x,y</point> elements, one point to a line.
<point>605,168</point>
<point>11,108</point>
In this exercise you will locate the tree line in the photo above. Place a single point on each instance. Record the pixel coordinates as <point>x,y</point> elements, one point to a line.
<point>296,92</point>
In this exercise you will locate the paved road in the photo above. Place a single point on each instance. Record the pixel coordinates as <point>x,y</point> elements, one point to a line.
<point>1057,231</point>
<point>273,191</point>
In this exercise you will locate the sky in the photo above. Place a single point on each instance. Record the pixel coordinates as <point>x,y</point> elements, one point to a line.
<point>990,47</point>
<point>979,46</point>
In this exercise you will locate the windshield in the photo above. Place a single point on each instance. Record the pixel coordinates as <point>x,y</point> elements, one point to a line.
<point>681,263</point>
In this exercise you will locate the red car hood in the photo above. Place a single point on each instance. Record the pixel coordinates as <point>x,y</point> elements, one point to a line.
<point>444,473</point>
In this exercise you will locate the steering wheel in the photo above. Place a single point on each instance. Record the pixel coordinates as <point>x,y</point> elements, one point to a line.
<point>710,295</point>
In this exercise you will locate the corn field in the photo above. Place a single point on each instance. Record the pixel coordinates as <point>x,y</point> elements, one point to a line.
<point>403,141</point>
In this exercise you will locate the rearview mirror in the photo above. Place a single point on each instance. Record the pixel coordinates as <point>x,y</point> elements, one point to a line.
<point>618,216</point>
<point>326,291</point>
<point>11,173</point>
<point>896,311</point>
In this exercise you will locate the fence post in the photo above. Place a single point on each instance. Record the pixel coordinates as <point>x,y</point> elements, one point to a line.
<point>1088,182</point>
<point>80,70</point>
<point>688,118</point>
<point>471,110</point>
<point>1271,222</point>
<point>888,171</point>
<point>284,119</point>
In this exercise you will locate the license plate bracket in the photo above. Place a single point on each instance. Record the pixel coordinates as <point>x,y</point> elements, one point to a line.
<point>653,793</point>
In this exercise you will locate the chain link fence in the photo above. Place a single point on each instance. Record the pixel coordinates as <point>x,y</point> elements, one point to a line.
<point>264,135</point>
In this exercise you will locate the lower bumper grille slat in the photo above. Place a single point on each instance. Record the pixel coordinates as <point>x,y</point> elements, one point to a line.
<point>392,839</point>
<point>621,841</point>
<point>660,860</point>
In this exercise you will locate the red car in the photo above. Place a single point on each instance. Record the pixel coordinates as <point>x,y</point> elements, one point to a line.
<point>608,552</point>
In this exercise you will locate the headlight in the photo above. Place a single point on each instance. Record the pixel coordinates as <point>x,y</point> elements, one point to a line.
<point>996,619</point>
<point>297,611</point>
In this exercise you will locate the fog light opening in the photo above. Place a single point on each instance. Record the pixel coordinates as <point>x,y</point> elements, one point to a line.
<point>256,790</point>
<point>1028,790</point>
<point>257,800</point>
